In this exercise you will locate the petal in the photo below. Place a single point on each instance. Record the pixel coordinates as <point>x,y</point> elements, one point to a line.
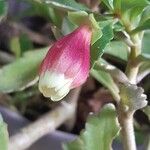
<point>54,85</point>
<point>61,93</point>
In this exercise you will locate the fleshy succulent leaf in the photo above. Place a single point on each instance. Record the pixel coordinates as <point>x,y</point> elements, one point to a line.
<point>98,47</point>
<point>82,17</point>
<point>65,5</point>
<point>132,97</point>
<point>98,133</point>
<point>22,72</point>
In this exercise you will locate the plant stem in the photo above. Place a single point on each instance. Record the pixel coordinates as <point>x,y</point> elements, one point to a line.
<point>46,124</point>
<point>132,70</point>
<point>5,57</point>
<point>127,131</point>
<point>126,116</point>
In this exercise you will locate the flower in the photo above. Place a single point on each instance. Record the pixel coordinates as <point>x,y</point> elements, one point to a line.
<point>66,64</point>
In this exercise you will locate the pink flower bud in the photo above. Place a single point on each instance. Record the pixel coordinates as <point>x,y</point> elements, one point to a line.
<point>66,64</point>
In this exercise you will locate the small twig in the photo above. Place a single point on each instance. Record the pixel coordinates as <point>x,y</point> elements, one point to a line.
<point>34,36</point>
<point>46,124</point>
<point>5,58</point>
<point>125,37</point>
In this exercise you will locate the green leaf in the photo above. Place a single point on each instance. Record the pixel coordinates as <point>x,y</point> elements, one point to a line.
<point>67,26</point>
<point>99,132</point>
<point>143,58</point>
<point>65,5</point>
<point>144,26</point>
<point>135,12</point>
<point>96,30</point>
<point>117,49</point>
<point>132,97</point>
<point>56,32</point>
<point>131,11</point>
<point>3,135</point>
<point>98,47</point>
<point>20,44</point>
<point>21,73</point>
<point>105,79</point>
<point>82,17</point>
<point>129,4</point>
<point>35,8</point>
<point>118,27</point>
<point>143,61</point>
<point>108,3</point>
<point>145,42</point>
<point>115,73</point>
<point>25,43</point>
<point>133,15</point>
<point>117,5</point>
<point>3,8</point>
<point>145,14</point>
<point>23,97</point>
<point>56,16</point>
<point>15,46</point>
<point>78,17</point>
<point>96,34</point>
<point>144,70</point>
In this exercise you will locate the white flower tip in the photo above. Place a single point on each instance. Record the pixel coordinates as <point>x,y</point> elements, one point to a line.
<point>52,93</point>
<point>53,85</point>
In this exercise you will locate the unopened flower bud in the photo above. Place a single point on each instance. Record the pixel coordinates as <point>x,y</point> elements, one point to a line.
<point>66,64</point>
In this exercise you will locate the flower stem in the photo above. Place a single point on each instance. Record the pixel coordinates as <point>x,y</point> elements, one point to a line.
<point>126,116</point>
